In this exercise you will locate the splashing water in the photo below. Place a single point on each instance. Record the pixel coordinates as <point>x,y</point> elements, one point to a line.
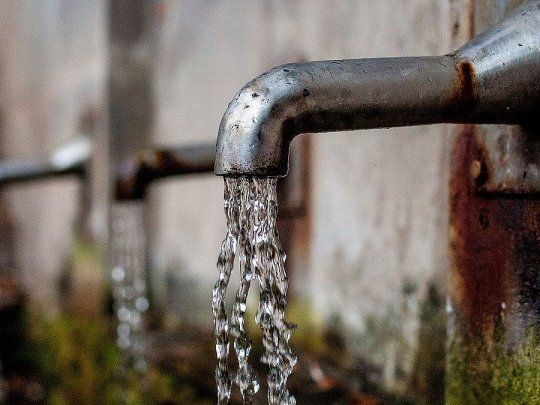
<point>251,212</point>
<point>129,281</point>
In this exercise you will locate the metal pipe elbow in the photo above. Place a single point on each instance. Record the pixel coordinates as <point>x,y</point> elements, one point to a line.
<point>256,129</point>
<point>263,118</point>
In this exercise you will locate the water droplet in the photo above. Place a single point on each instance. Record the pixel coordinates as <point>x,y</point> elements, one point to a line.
<point>449,308</point>
<point>129,280</point>
<point>142,304</point>
<point>123,314</point>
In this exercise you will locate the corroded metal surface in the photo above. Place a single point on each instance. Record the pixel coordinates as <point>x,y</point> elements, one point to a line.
<point>509,162</point>
<point>494,240</point>
<point>148,165</point>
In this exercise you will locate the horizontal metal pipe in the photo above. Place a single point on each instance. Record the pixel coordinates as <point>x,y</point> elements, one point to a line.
<point>148,165</point>
<point>71,159</point>
<point>493,79</point>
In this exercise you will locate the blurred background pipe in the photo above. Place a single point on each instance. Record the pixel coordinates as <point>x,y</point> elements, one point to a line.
<point>146,166</point>
<point>70,159</point>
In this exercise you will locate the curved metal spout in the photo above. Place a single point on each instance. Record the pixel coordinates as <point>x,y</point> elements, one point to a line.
<point>493,79</point>
<point>70,159</point>
<point>148,165</point>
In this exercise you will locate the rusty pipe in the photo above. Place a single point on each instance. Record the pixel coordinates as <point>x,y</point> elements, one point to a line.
<point>70,159</point>
<point>493,79</point>
<point>145,166</point>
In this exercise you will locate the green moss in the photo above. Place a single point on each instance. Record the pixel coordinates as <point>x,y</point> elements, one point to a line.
<point>77,359</point>
<point>78,363</point>
<point>485,372</point>
<point>82,278</point>
<point>84,248</point>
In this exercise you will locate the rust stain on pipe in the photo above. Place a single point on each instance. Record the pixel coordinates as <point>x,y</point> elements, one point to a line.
<point>466,76</point>
<point>464,92</point>
<point>146,166</point>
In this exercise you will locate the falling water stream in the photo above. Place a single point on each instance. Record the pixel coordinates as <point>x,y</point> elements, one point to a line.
<point>251,212</point>
<point>129,281</point>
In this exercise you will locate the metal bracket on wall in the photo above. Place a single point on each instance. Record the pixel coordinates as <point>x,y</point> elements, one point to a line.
<point>508,161</point>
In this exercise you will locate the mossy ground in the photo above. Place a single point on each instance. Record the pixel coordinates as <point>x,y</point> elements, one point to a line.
<point>78,363</point>
<point>483,372</point>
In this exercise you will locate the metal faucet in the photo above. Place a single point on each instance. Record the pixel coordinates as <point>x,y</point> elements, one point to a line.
<point>147,165</point>
<point>495,78</point>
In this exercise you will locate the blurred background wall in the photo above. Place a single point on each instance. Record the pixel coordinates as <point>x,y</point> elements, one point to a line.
<point>53,65</point>
<point>375,240</point>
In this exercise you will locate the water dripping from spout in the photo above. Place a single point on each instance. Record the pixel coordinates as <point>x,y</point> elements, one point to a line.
<point>225,265</point>
<point>251,212</point>
<point>129,283</point>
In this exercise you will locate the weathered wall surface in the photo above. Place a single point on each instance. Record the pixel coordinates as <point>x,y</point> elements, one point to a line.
<point>52,64</point>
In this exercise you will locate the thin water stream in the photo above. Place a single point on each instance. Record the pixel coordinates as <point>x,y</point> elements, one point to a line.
<point>129,281</point>
<point>251,212</point>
